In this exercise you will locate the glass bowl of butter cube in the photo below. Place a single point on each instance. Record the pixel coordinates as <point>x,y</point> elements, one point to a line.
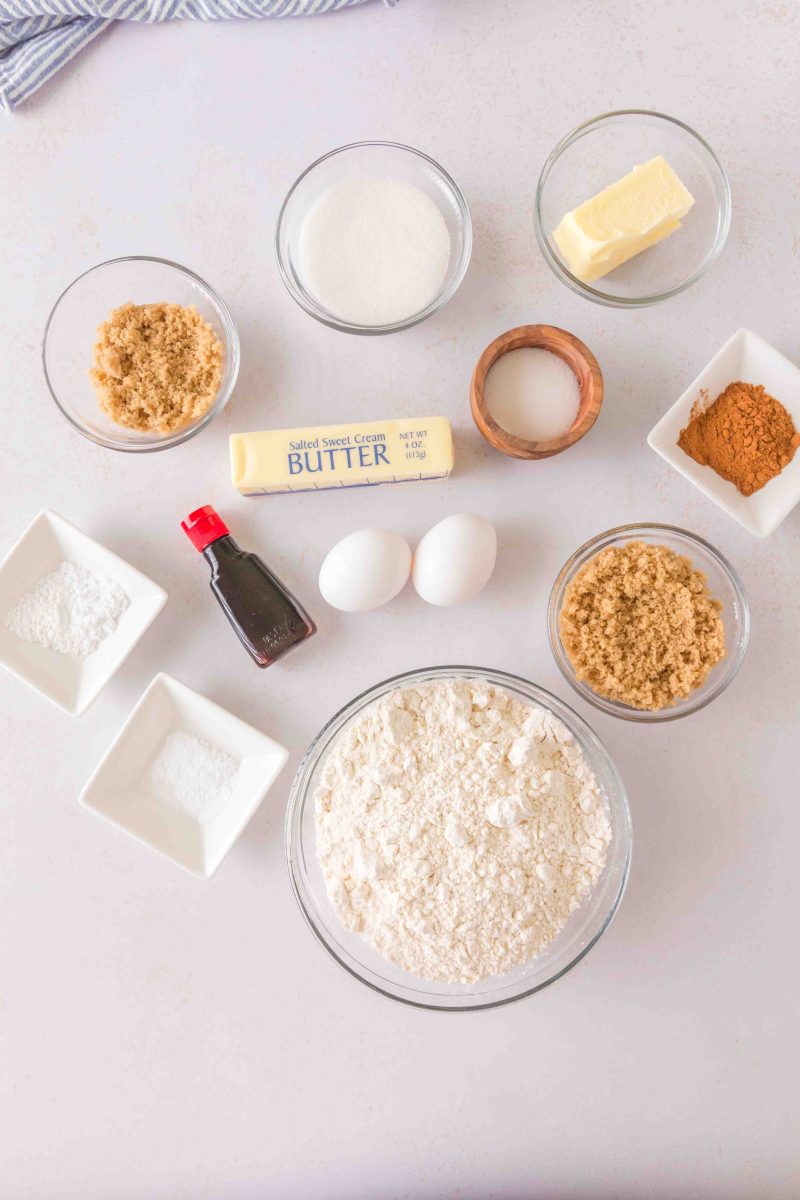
<point>632,207</point>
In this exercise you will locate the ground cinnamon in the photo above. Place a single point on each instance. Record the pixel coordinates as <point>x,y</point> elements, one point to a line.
<point>746,436</point>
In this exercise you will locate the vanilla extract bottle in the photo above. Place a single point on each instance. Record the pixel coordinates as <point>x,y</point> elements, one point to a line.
<point>267,619</point>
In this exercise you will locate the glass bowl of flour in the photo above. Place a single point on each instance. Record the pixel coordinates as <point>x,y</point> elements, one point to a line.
<point>458,838</point>
<point>373,238</point>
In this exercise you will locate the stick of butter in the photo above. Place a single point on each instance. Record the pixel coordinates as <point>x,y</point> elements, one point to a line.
<point>336,456</point>
<point>632,214</point>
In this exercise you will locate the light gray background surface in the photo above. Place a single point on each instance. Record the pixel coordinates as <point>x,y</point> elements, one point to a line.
<point>161,1037</point>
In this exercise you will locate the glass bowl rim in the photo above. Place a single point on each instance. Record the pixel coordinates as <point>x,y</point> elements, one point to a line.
<point>596,294</point>
<point>299,796</point>
<point>232,348</point>
<point>628,533</point>
<point>442,297</point>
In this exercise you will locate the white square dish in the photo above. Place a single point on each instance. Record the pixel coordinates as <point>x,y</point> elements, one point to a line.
<point>70,682</point>
<point>119,788</point>
<point>748,357</point>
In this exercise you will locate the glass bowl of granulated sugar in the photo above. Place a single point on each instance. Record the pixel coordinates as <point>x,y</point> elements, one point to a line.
<point>373,238</point>
<point>458,838</point>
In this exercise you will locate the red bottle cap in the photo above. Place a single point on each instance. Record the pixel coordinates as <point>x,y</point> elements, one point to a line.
<point>204,526</point>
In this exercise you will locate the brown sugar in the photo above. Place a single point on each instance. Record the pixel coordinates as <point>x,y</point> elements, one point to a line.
<point>746,436</point>
<point>640,627</point>
<point>157,367</point>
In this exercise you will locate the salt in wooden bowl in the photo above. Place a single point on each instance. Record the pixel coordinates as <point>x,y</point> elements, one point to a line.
<point>578,358</point>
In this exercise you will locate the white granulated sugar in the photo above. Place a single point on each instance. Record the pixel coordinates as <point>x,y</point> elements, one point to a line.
<point>193,776</point>
<point>457,829</point>
<point>71,610</point>
<point>533,394</point>
<point>374,250</point>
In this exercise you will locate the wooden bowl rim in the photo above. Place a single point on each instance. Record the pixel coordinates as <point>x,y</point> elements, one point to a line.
<point>537,337</point>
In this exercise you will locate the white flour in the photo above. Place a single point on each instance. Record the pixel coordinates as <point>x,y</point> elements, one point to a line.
<point>374,250</point>
<point>457,829</point>
<point>71,610</point>
<point>193,776</point>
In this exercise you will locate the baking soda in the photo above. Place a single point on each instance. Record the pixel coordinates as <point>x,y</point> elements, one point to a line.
<point>374,250</point>
<point>193,776</point>
<point>532,394</point>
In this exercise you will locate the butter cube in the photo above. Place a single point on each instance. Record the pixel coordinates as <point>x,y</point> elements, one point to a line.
<point>337,456</point>
<point>634,213</point>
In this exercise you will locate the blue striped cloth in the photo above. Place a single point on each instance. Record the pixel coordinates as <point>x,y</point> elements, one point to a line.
<point>38,37</point>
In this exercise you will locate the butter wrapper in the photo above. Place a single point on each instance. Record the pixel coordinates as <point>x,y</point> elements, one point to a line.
<point>338,456</point>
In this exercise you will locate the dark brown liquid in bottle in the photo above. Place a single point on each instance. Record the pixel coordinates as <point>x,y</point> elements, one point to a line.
<point>269,622</point>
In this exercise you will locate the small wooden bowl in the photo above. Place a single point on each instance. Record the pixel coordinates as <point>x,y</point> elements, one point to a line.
<point>577,356</point>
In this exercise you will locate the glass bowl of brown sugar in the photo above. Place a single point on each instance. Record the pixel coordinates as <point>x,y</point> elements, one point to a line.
<point>626,666</point>
<point>181,301</point>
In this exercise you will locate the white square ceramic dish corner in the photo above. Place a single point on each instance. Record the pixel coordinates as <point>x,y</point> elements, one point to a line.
<point>70,682</point>
<point>119,789</point>
<point>748,357</point>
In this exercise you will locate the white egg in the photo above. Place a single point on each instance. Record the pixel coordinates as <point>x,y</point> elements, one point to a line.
<point>365,570</point>
<point>455,559</point>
